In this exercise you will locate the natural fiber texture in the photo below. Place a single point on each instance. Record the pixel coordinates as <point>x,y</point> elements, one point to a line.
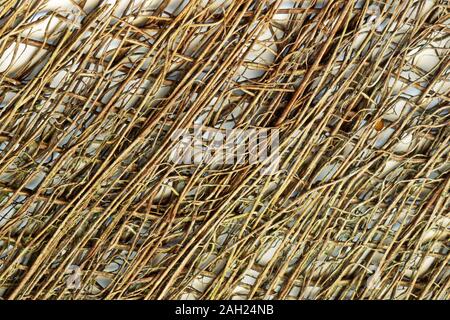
<point>91,93</point>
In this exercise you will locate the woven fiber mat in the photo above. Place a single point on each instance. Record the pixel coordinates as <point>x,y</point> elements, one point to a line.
<point>271,149</point>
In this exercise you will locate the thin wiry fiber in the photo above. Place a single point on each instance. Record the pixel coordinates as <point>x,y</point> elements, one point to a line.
<point>93,95</point>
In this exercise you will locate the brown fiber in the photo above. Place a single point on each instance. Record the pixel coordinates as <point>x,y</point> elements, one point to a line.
<point>358,208</point>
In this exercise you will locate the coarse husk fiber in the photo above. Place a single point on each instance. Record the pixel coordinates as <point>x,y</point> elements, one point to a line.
<point>93,92</point>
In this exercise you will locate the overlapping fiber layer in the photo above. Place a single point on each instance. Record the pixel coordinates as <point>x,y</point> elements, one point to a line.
<point>91,93</point>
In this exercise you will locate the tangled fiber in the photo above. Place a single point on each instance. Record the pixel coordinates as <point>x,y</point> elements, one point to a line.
<point>93,93</point>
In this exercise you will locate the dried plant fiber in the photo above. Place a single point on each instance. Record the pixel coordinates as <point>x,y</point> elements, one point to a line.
<point>93,95</point>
